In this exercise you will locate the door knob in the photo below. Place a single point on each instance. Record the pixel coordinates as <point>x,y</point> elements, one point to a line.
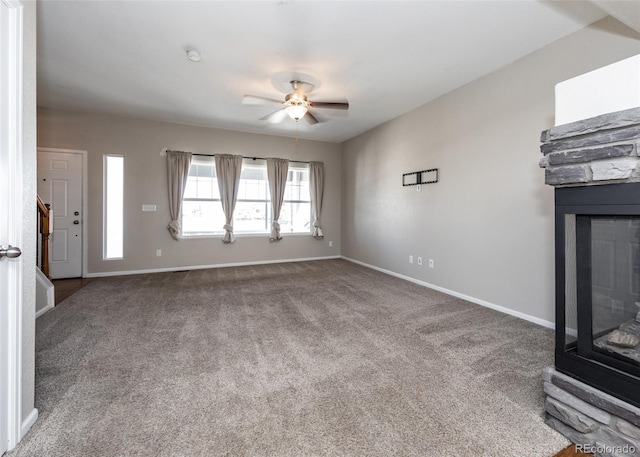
<point>10,252</point>
<point>76,213</point>
<point>76,222</point>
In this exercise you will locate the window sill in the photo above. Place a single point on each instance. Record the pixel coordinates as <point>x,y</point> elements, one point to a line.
<point>241,235</point>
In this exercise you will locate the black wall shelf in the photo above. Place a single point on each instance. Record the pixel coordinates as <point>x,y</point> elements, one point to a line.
<point>415,178</point>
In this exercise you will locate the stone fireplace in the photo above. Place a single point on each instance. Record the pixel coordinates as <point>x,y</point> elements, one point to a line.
<point>593,392</point>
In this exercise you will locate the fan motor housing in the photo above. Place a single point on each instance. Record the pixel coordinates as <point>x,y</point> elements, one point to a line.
<point>296,98</point>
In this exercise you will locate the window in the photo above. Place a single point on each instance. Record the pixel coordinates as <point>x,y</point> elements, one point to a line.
<point>202,211</point>
<point>295,214</point>
<point>113,207</point>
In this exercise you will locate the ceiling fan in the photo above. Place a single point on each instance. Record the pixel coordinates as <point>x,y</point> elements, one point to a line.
<point>296,105</point>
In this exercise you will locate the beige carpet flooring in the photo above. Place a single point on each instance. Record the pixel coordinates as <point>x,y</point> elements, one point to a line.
<point>321,358</point>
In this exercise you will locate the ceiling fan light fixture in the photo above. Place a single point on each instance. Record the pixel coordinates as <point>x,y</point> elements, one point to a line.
<point>297,105</point>
<point>296,112</point>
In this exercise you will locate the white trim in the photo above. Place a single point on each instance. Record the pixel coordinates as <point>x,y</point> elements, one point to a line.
<point>477,301</point>
<point>44,310</point>
<point>204,267</point>
<point>85,200</point>
<point>43,281</point>
<point>28,422</point>
<point>15,177</point>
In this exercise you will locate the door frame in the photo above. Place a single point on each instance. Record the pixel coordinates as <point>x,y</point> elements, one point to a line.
<point>12,328</point>
<point>85,203</point>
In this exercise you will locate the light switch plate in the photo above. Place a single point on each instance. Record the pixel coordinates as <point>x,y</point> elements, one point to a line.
<point>148,207</point>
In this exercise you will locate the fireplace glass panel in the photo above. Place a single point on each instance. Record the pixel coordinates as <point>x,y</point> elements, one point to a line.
<point>615,286</point>
<point>571,301</point>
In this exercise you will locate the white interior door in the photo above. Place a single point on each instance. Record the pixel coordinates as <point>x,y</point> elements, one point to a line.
<point>10,221</point>
<point>60,185</point>
<point>4,195</point>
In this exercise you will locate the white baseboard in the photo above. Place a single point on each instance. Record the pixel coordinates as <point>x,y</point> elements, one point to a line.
<point>204,267</point>
<point>44,310</point>
<point>502,309</point>
<point>28,422</point>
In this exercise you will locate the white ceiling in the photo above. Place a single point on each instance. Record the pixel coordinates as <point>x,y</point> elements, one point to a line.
<point>385,57</point>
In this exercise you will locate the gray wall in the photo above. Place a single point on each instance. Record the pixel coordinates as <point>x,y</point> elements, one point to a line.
<point>29,217</point>
<point>488,223</point>
<point>140,142</point>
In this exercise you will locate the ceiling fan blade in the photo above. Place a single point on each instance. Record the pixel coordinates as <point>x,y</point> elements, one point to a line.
<point>310,118</point>
<point>331,105</point>
<point>275,117</point>
<point>255,100</point>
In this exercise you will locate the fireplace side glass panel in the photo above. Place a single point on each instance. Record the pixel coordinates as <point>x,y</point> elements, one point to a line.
<point>571,300</point>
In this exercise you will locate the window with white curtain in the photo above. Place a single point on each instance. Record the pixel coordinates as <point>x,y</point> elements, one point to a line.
<point>202,213</point>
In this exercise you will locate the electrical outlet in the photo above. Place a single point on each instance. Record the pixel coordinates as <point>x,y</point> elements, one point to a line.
<point>430,263</point>
<point>410,259</point>
<point>330,244</point>
<point>419,260</point>
<point>159,253</point>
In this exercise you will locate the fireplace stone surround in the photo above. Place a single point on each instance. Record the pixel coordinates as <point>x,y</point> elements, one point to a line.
<point>599,150</point>
<point>592,404</point>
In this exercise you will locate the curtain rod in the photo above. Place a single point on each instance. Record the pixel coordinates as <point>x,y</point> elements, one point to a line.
<point>245,157</point>
<point>164,153</point>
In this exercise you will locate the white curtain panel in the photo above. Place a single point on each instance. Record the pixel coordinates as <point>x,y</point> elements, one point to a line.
<point>228,169</point>
<point>316,182</point>
<point>178,164</point>
<point>277,171</point>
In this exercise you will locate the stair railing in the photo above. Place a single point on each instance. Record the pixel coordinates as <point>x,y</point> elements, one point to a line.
<point>43,232</point>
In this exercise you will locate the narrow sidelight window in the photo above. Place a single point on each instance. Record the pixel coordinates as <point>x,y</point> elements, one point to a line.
<point>113,192</point>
